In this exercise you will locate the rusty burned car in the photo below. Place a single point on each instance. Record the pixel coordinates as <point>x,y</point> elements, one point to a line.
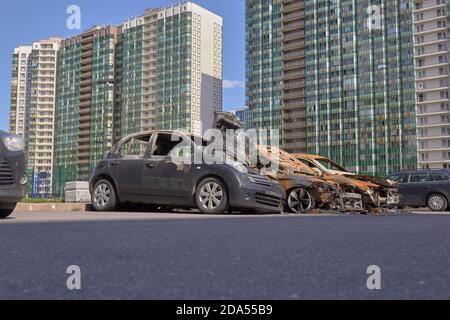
<point>305,191</point>
<point>377,192</point>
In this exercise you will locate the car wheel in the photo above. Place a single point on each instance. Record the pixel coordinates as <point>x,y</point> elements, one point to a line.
<point>211,196</point>
<point>300,200</point>
<point>6,209</point>
<point>437,202</point>
<point>104,196</point>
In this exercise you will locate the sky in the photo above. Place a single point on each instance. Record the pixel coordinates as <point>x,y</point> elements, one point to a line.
<point>25,21</point>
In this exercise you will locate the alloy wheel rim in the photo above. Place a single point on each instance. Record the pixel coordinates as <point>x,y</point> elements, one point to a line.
<point>102,195</point>
<point>437,203</point>
<point>211,196</point>
<point>300,200</point>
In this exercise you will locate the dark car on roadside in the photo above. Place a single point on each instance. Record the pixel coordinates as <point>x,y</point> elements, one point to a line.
<point>13,177</point>
<point>158,168</point>
<point>424,188</point>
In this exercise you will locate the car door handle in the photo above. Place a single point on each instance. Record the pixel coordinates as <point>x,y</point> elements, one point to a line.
<point>150,165</point>
<point>114,164</point>
<point>428,187</point>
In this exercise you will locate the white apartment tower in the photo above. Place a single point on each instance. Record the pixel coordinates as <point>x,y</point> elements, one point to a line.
<point>169,70</point>
<point>20,91</point>
<point>432,83</point>
<point>189,74</point>
<point>33,105</point>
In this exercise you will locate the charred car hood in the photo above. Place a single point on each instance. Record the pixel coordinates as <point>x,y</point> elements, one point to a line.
<point>380,181</point>
<point>360,182</point>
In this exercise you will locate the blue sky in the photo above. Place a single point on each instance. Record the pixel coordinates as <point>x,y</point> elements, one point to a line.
<point>25,21</point>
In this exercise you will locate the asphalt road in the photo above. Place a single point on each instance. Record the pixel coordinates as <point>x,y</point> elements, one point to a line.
<point>176,256</point>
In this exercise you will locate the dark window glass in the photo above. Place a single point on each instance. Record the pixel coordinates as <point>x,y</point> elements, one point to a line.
<point>419,177</point>
<point>400,178</point>
<point>440,177</point>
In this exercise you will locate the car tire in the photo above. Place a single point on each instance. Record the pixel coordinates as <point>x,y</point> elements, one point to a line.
<point>299,201</point>
<point>437,202</point>
<point>6,209</point>
<point>211,196</point>
<point>104,197</point>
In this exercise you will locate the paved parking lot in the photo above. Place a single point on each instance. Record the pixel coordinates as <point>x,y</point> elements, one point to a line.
<point>192,256</point>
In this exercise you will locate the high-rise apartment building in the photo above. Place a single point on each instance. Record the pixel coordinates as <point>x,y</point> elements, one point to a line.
<point>169,70</point>
<point>264,63</point>
<point>360,84</point>
<point>431,31</point>
<point>84,128</point>
<point>189,72</point>
<point>33,106</point>
<point>340,75</point>
<point>21,91</point>
<point>129,78</point>
<point>294,76</point>
<point>160,70</point>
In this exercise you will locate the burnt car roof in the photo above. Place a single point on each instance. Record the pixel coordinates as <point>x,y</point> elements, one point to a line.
<point>143,133</point>
<point>287,162</point>
<point>308,156</point>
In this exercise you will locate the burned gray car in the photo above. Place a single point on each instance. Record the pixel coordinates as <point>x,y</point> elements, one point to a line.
<point>157,168</point>
<point>13,176</point>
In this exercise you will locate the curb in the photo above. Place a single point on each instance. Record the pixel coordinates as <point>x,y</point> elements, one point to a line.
<point>53,207</point>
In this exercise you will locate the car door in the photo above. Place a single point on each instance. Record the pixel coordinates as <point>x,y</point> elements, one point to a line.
<point>415,190</point>
<point>165,174</point>
<point>440,184</point>
<point>127,165</point>
<point>402,179</point>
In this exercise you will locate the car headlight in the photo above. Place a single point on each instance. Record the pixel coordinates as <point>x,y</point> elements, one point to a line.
<point>238,166</point>
<point>326,188</point>
<point>13,142</point>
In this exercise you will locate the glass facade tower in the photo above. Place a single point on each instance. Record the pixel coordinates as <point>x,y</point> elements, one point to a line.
<point>360,84</point>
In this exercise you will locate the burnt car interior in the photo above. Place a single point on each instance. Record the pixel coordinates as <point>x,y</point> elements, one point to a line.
<point>165,144</point>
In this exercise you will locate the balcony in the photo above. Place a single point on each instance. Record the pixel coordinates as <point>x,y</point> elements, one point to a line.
<point>294,94</point>
<point>86,67</point>
<point>294,45</point>
<point>294,115</point>
<point>86,82</point>
<point>86,54</point>
<point>86,96</point>
<point>434,125</point>
<point>293,16</point>
<point>294,26</point>
<point>293,55</point>
<point>296,135</point>
<point>293,35</point>
<point>293,6</point>
<point>293,75</point>
<point>300,104</point>
<point>294,85</point>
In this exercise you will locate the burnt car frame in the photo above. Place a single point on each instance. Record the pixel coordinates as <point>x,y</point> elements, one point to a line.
<point>304,190</point>
<point>377,192</point>
<point>147,173</point>
<point>13,176</point>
